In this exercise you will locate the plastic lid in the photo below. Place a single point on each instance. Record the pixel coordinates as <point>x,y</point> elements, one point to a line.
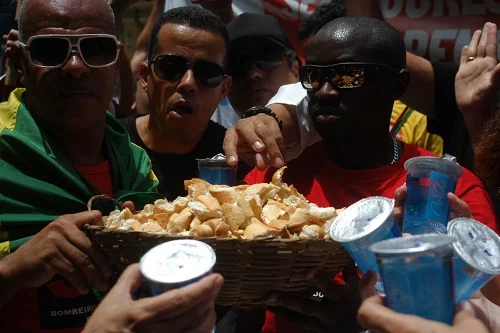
<point>434,164</point>
<point>177,261</point>
<point>361,218</point>
<point>218,160</point>
<point>476,244</point>
<point>414,245</point>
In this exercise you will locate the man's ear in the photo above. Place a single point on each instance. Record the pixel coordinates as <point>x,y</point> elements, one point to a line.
<point>226,85</point>
<point>144,75</point>
<point>401,83</point>
<point>294,71</point>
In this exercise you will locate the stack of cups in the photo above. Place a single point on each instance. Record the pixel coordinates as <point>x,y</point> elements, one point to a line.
<point>362,224</point>
<point>417,272</point>
<point>429,181</point>
<point>426,275</point>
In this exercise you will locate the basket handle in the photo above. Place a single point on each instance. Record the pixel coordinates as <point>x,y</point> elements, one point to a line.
<point>103,196</point>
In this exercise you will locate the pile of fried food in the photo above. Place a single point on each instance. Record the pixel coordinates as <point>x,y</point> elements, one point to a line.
<point>273,210</point>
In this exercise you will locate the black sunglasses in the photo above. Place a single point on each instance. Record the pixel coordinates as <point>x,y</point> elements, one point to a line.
<point>171,68</point>
<point>344,75</point>
<point>52,51</point>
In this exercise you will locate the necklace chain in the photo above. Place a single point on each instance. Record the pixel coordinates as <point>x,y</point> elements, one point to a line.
<point>395,152</point>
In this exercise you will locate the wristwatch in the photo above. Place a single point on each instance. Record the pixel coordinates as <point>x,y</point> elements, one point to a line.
<point>253,111</point>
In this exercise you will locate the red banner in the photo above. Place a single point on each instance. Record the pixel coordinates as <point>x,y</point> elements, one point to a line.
<point>435,29</point>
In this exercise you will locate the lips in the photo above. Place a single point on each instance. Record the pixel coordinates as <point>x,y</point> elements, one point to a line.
<point>327,113</point>
<point>181,109</point>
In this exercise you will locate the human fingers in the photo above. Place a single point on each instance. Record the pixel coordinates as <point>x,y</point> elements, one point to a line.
<point>230,146</point>
<point>270,133</point>
<point>458,206</point>
<point>130,205</point>
<point>481,46</point>
<point>463,55</point>
<point>472,49</point>
<point>491,41</point>
<point>179,301</point>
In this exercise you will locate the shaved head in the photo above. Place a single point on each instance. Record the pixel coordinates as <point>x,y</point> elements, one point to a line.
<point>55,13</point>
<point>369,39</point>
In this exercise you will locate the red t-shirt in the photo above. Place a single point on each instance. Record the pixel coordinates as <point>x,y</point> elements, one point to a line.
<point>56,307</point>
<point>99,175</point>
<point>326,184</point>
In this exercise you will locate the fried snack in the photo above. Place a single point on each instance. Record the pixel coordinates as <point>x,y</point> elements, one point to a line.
<point>274,210</point>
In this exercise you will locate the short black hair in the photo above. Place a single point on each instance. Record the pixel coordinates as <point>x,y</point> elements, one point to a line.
<point>194,17</point>
<point>381,42</point>
<point>321,16</point>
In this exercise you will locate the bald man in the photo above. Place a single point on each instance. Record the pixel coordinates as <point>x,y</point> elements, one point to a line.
<point>355,70</point>
<point>58,148</point>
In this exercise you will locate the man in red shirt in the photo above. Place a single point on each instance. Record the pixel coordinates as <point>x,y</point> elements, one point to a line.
<point>354,72</point>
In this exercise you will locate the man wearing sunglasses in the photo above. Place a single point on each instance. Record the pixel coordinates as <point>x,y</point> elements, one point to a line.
<point>185,80</point>
<point>58,148</point>
<point>260,60</point>
<point>355,70</point>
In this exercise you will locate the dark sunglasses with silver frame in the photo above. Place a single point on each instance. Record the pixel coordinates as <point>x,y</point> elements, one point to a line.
<point>52,51</point>
<point>346,75</point>
<point>169,67</point>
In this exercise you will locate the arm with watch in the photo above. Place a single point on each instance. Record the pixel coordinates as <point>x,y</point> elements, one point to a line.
<point>259,132</point>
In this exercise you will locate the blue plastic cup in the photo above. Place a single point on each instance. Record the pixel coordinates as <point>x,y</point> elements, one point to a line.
<point>429,180</point>
<point>362,224</point>
<point>217,171</point>
<point>477,256</point>
<point>417,273</point>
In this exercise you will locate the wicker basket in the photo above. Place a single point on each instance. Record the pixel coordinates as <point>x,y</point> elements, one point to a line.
<point>252,269</point>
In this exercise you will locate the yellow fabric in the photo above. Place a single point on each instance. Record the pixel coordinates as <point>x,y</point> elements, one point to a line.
<point>8,110</point>
<point>414,130</point>
<point>4,249</point>
<point>152,175</point>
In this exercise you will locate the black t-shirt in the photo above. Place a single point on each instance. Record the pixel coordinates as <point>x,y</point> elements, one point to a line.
<point>450,124</point>
<point>172,169</point>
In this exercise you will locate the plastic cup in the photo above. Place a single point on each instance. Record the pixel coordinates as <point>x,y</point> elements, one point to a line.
<point>362,224</point>
<point>176,264</point>
<point>217,171</point>
<point>477,256</point>
<point>417,273</point>
<point>429,180</point>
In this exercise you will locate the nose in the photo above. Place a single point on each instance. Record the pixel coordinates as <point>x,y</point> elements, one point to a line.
<point>327,92</point>
<point>187,82</point>
<point>75,66</point>
<point>255,73</point>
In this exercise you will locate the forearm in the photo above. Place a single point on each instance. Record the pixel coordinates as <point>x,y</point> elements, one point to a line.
<point>142,45</point>
<point>475,121</point>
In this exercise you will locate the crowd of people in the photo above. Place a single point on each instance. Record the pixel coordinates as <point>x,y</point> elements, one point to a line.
<point>81,119</point>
